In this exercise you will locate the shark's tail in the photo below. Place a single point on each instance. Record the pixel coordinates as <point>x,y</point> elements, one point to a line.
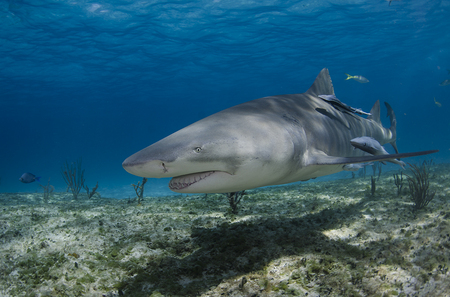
<point>393,128</point>
<point>348,76</point>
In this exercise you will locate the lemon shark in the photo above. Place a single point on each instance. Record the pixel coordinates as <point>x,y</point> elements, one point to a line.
<point>268,141</point>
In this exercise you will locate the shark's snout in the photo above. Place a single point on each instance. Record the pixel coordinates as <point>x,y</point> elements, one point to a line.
<point>143,168</point>
<point>129,163</point>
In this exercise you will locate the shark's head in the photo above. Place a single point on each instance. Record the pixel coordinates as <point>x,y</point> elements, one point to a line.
<point>218,154</point>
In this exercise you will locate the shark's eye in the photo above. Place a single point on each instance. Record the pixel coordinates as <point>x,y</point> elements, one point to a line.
<point>198,149</point>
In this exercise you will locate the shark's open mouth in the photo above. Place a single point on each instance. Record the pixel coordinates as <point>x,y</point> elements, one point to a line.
<point>184,181</point>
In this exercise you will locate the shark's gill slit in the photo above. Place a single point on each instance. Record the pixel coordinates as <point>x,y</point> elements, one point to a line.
<point>164,166</point>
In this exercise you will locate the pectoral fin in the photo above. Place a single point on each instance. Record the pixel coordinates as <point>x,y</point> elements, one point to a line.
<point>322,159</point>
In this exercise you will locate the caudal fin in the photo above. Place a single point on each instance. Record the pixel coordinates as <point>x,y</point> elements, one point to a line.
<point>393,128</point>
<point>348,76</point>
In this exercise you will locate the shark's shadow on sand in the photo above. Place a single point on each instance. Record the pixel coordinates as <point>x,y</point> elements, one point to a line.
<point>236,249</point>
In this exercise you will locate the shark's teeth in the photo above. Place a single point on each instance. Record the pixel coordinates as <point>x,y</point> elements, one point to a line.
<point>184,181</point>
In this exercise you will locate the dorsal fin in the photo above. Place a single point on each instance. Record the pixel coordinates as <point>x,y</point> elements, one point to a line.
<point>322,85</point>
<point>375,113</point>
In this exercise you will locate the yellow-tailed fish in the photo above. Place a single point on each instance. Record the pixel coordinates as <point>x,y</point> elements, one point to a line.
<point>437,102</point>
<point>445,83</point>
<point>358,78</point>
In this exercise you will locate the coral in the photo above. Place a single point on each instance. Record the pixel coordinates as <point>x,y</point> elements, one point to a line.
<point>377,166</point>
<point>139,189</point>
<point>234,198</point>
<point>398,183</point>
<point>372,185</point>
<point>74,177</point>
<point>48,189</point>
<point>91,193</point>
<point>419,185</point>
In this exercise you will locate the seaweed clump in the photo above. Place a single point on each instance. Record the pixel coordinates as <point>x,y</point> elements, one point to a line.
<point>373,185</point>
<point>74,177</point>
<point>92,192</point>
<point>234,198</point>
<point>419,185</point>
<point>48,189</point>
<point>139,189</point>
<point>398,180</point>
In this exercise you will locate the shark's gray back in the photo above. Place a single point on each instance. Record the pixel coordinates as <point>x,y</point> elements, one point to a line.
<point>325,127</point>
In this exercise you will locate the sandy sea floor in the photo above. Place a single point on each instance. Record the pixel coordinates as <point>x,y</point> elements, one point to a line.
<point>315,239</point>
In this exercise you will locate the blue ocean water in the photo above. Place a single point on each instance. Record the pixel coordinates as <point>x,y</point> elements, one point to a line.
<point>100,80</point>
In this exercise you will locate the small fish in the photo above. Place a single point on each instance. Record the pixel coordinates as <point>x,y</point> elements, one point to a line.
<point>437,102</point>
<point>336,102</point>
<point>372,146</point>
<point>27,178</point>
<point>445,83</point>
<point>358,78</point>
<point>355,167</point>
<point>391,1</point>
